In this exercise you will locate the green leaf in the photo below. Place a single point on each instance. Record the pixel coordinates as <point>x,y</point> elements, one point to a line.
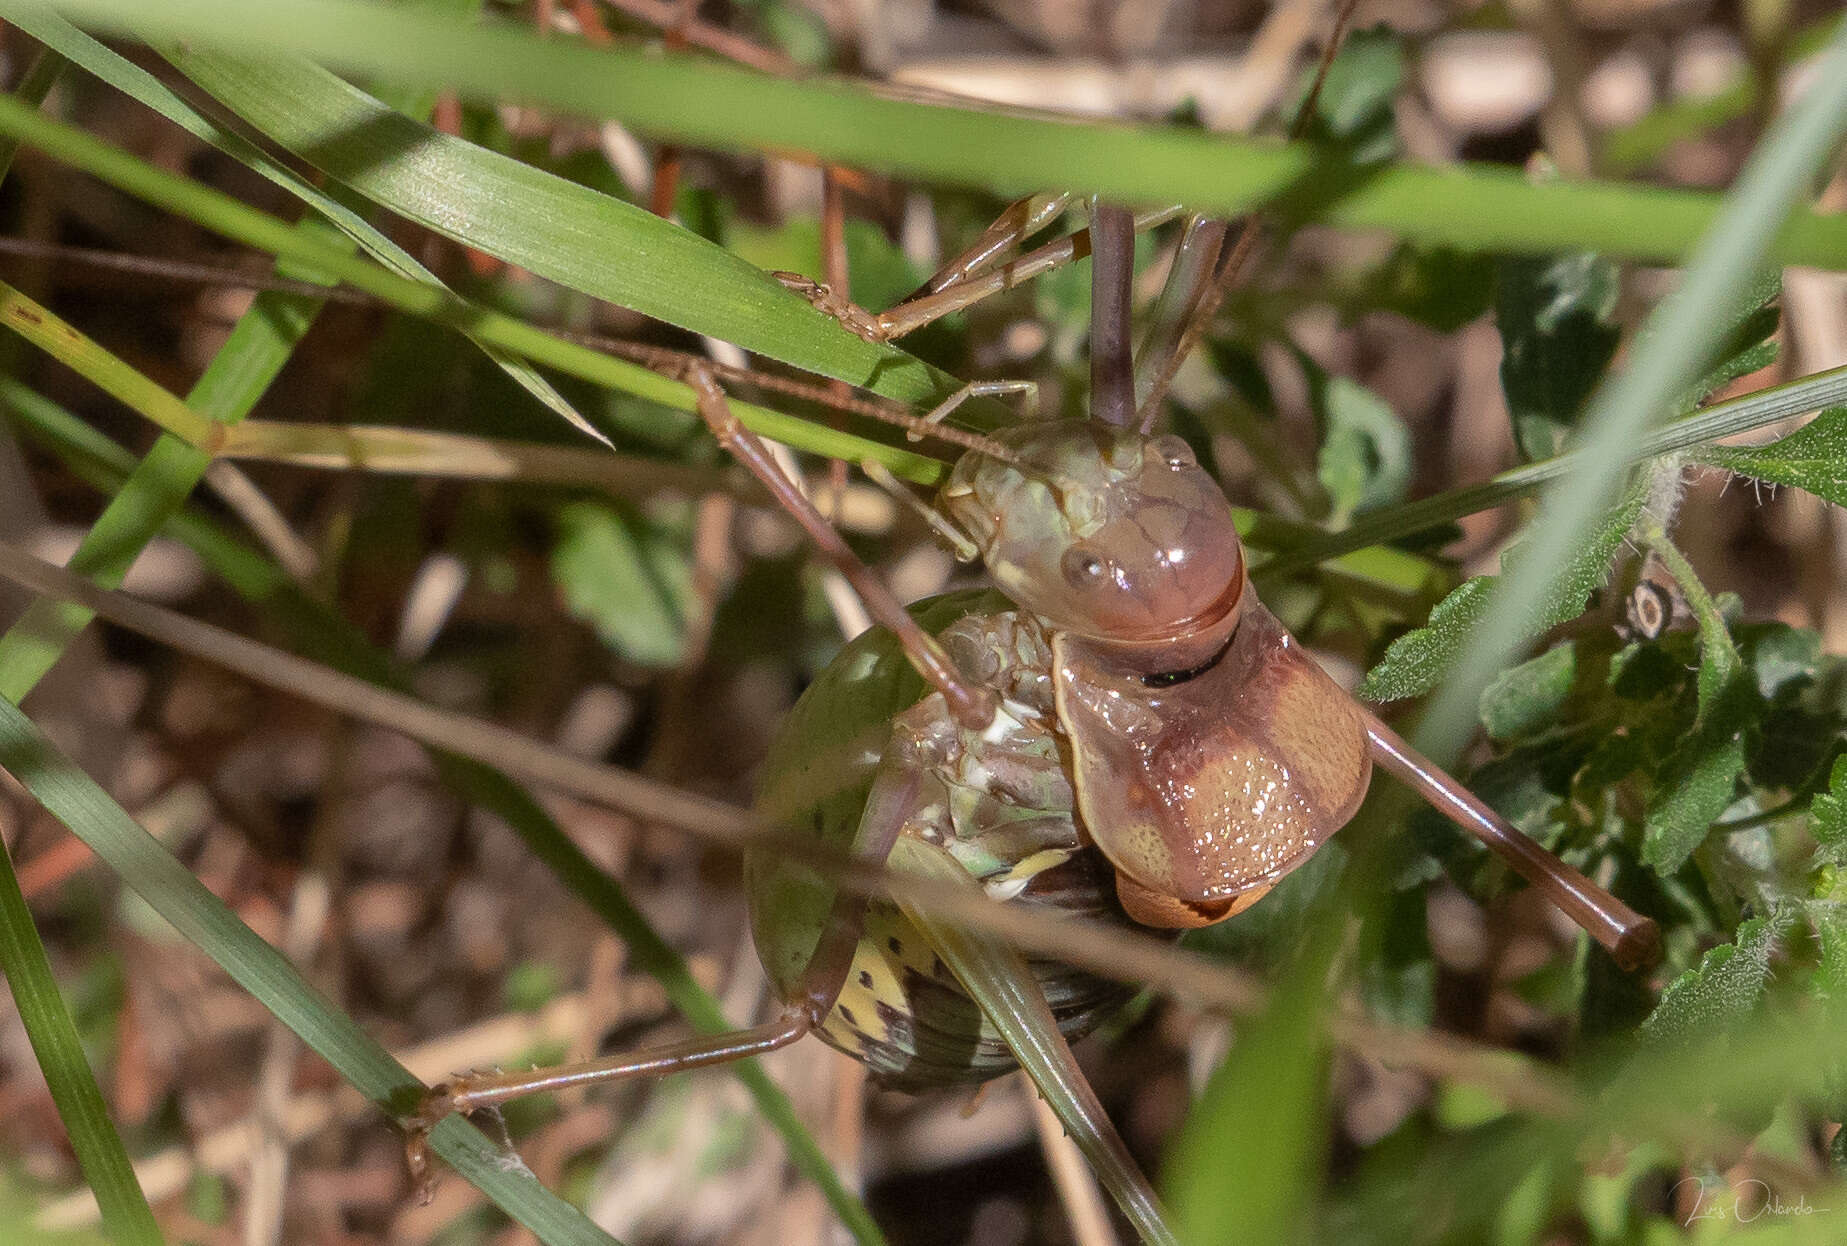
<point>1417,661</point>
<point>1354,109</point>
<point>562,231</point>
<point>1828,816</point>
<point>1557,318</point>
<point>1752,346</point>
<point>1244,1166</point>
<point>1814,457</point>
<point>628,577</point>
<point>1436,286</point>
<point>1365,458</point>
<point>1699,783</point>
<point>1723,990</point>
<point>1780,657</point>
<point>1529,697</point>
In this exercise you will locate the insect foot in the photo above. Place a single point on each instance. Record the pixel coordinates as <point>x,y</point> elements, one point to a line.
<point>825,298</point>
<point>460,1093</point>
<point>437,1104</point>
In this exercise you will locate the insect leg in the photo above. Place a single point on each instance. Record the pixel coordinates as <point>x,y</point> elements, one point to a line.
<point>908,317</point>
<point>1632,939</point>
<point>1022,219</point>
<point>895,797</point>
<point>972,705</point>
<point>475,1092</point>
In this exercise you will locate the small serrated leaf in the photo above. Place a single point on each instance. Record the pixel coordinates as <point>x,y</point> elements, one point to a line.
<point>1814,457</point>
<point>1828,815</point>
<point>1725,987</point>
<point>1696,786</point>
<point>1365,456</point>
<point>1418,660</point>
<point>1720,669</point>
<point>1829,917</point>
<point>1528,697</point>
<point>626,577</point>
<point>1556,315</point>
<point>1750,345</point>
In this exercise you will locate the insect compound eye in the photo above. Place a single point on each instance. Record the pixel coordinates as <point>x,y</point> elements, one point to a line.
<point>1174,452</point>
<point>1082,568</point>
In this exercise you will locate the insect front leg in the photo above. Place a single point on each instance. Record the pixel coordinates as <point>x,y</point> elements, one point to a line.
<point>970,703</point>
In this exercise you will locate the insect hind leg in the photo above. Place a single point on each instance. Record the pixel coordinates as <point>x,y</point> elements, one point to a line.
<point>485,1092</point>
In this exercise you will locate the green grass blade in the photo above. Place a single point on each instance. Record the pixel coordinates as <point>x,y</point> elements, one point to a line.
<point>64,343</point>
<point>48,1024</point>
<point>171,890</point>
<point>235,220</point>
<point>1636,144</point>
<point>258,346</point>
<point>1670,354</point>
<point>588,241</point>
<point>1244,1166</point>
<point>543,223</point>
<point>325,636</point>
<point>999,980</point>
<point>126,1215</point>
<point>695,101</point>
<point>136,82</point>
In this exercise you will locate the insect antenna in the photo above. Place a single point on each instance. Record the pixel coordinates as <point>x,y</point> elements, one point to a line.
<point>1112,272</point>
<point>1212,282</point>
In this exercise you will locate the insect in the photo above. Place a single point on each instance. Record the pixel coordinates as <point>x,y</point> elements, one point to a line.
<point>1119,730</point>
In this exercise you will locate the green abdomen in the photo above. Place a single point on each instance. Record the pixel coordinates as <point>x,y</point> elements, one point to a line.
<point>902,1011</point>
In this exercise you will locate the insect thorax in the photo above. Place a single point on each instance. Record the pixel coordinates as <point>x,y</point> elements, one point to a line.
<point>999,800</point>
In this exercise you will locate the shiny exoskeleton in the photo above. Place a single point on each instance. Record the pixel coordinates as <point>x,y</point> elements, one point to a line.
<point>1161,754</point>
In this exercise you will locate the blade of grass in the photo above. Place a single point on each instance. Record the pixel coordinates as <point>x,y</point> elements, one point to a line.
<point>1631,146</point>
<point>658,267</point>
<point>105,1164</point>
<point>1001,982</point>
<point>171,890</point>
<point>1672,349</point>
<point>255,229</point>
<point>1300,550</point>
<point>699,102</point>
<point>49,1028</point>
<point>136,82</point>
<point>549,226</point>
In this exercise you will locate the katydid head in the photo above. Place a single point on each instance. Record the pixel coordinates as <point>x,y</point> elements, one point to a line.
<point>1103,531</point>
